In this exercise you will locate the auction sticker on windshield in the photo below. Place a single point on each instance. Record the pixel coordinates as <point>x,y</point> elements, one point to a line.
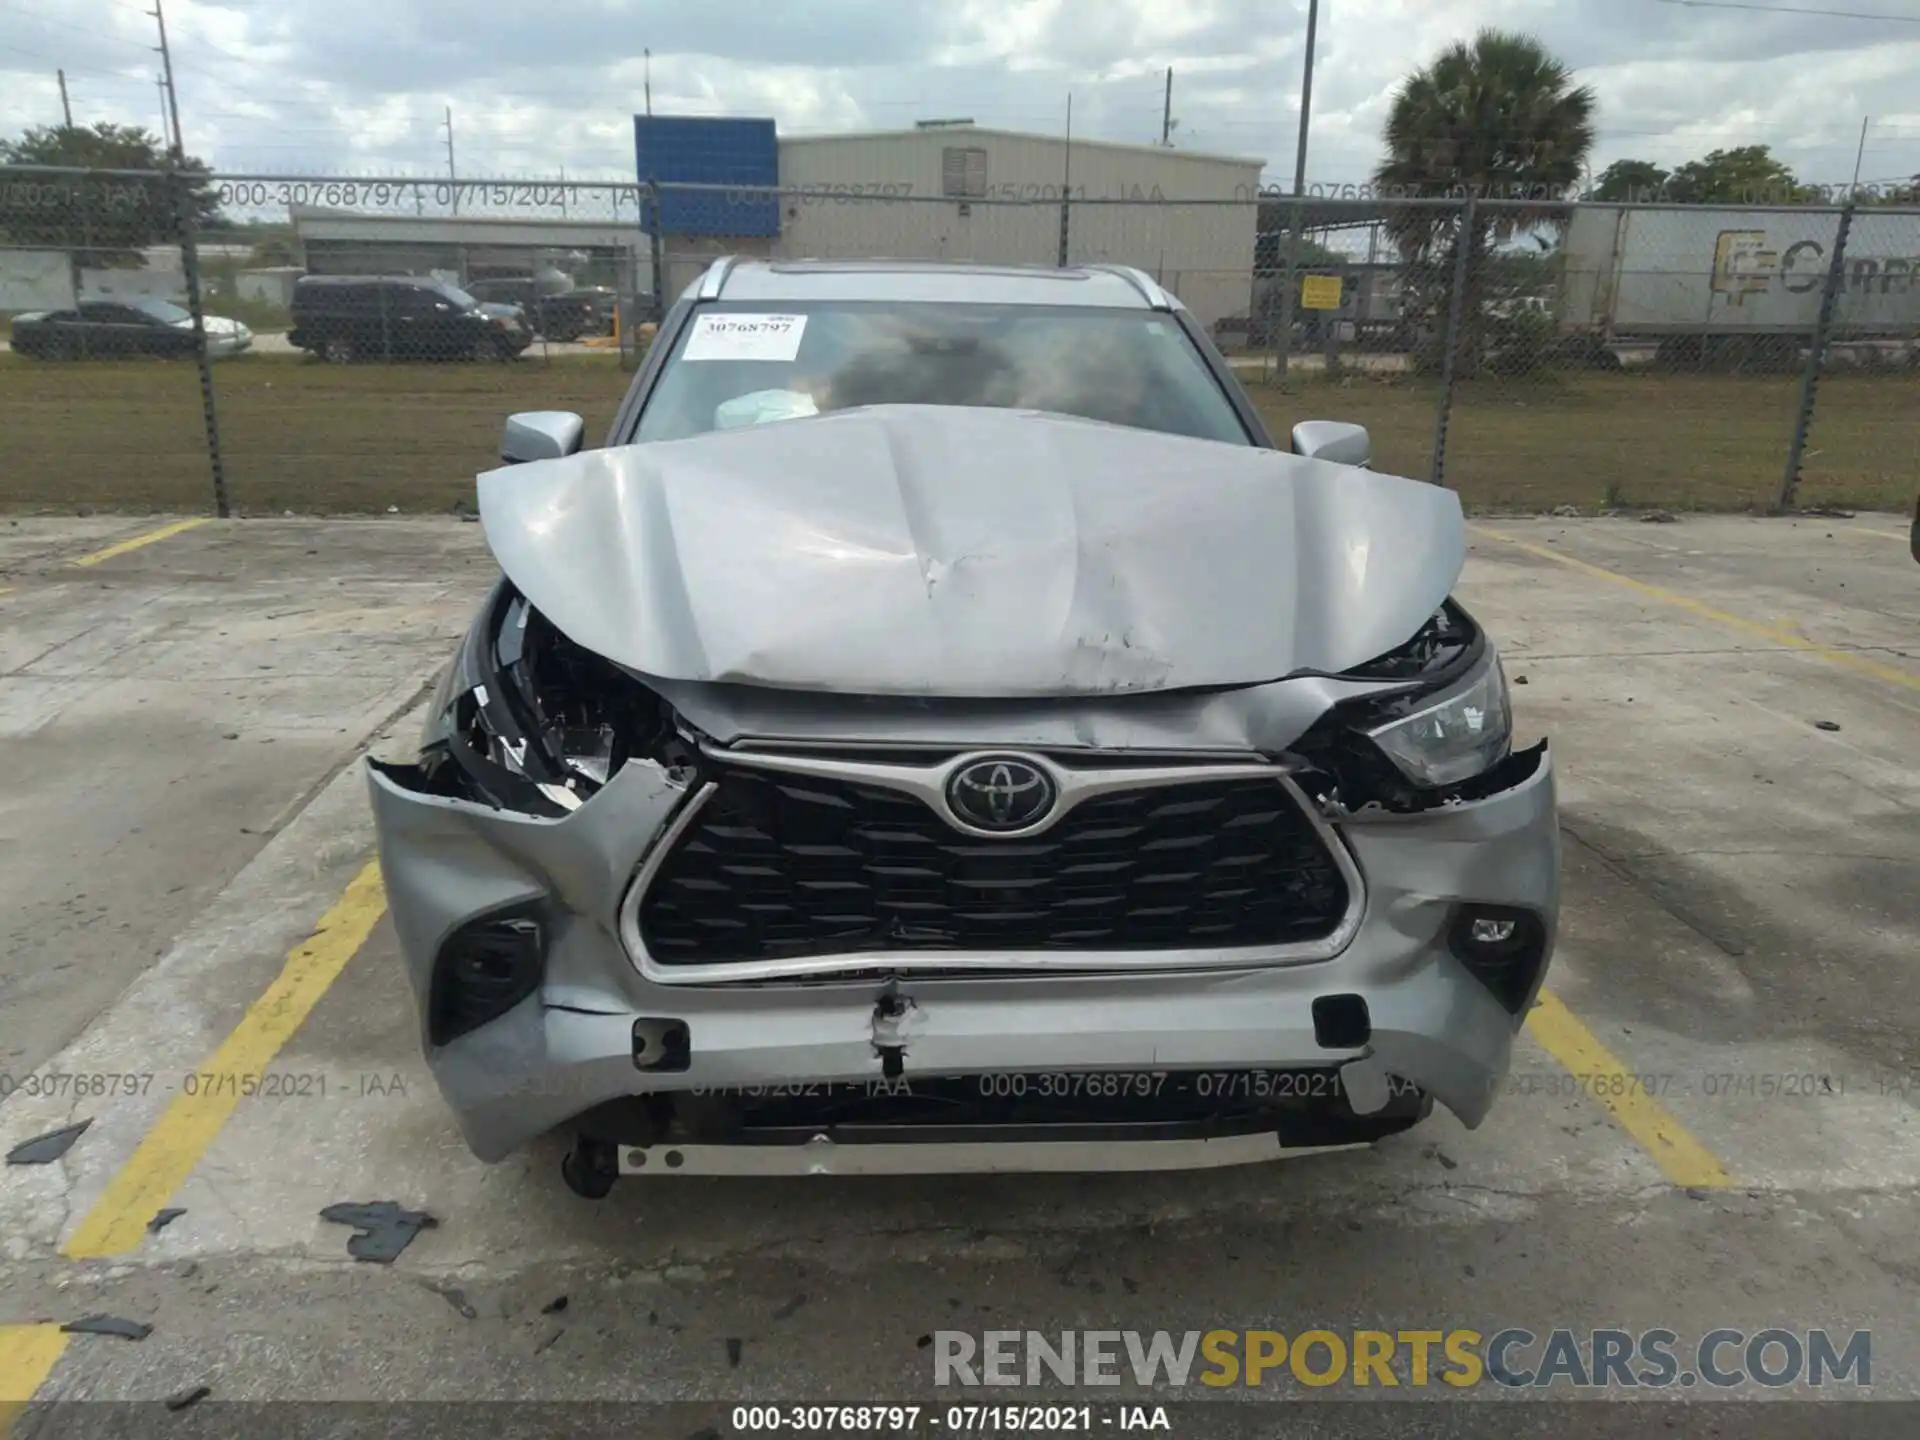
<point>745,337</point>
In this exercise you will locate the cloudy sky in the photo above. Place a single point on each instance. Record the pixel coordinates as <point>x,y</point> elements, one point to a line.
<point>358,87</point>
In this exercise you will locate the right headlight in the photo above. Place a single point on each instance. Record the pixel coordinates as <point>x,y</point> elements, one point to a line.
<point>1455,735</point>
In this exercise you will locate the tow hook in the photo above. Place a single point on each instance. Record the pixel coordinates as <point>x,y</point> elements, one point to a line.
<point>591,1167</point>
<point>891,1015</point>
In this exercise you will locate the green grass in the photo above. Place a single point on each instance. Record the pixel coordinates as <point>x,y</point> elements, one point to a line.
<point>316,438</point>
<point>1685,442</point>
<point>296,434</point>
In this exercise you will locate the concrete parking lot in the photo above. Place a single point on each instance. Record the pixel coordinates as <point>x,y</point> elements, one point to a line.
<point>1712,1121</point>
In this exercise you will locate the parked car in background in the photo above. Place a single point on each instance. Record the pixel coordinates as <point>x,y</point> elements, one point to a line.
<point>400,317</point>
<point>107,329</point>
<point>606,304</point>
<point>509,317</point>
<point>560,316</point>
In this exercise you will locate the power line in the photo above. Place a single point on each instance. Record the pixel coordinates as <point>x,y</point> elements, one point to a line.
<point>1792,10</point>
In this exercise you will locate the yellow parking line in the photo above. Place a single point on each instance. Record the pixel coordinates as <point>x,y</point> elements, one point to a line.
<point>139,540</point>
<point>1681,1158</point>
<point>28,1354</point>
<point>167,1155</point>
<point>1706,612</point>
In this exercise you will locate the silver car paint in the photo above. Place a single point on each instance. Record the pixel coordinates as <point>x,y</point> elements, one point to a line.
<point>569,1046</point>
<point>961,552</point>
<point>1229,724</point>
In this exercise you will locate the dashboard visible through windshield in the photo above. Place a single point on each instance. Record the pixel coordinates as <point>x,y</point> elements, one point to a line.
<point>742,364</point>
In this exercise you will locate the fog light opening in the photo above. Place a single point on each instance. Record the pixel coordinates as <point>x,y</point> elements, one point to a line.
<point>483,970</point>
<point>1504,948</point>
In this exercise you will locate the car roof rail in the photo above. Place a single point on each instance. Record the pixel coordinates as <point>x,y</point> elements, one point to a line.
<point>716,277</point>
<point>1150,291</point>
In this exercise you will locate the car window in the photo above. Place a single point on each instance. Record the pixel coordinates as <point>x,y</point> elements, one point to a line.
<point>164,311</point>
<point>1127,367</point>
<point>454,295</point>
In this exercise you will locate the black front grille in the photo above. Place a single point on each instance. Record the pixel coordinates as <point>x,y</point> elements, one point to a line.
<point>785,866</point>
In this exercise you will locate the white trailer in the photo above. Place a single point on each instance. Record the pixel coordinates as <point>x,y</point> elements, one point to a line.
<point>1633,271</point>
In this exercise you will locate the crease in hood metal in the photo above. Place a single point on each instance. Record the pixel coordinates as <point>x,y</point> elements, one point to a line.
<point>962,552</point>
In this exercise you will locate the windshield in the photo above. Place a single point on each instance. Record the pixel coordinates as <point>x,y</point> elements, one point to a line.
<point>162,310</point>
<point>740,364</point>
<point>457,295</point>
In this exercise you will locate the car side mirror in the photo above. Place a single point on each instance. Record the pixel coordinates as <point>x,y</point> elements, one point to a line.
<point>541,435</point>
<point>1333,440</point>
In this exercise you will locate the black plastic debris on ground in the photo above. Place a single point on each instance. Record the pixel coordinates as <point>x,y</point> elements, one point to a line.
<point>164,1218</point>
<point>109,1325</point>
<point>45,1149</point>
<point>181,1400</point>
<point>554,1306</point>
<point>1826,725</point>
<point>385,1229</point>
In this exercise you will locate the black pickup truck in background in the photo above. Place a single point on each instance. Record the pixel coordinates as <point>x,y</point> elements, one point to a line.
<point>557,316</point>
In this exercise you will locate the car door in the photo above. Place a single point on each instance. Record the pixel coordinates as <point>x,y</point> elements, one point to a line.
<point>417,328</point>
<point>369,311</point>
<point>54,336</point>
<point>110,329</point>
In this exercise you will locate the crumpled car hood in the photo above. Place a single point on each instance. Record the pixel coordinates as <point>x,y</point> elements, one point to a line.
<point>945,551</point>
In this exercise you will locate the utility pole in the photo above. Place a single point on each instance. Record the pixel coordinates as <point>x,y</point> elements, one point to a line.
<point>166,130</point>
<point>75,280</point>
<point>649,79</point>
<point>1288,270</point>
<point>1166,112</point>
<point>1858,155</point>
<point>173,97</point>
<point>453,178</point>
<point>1066,182</point>
<point>183,197</point>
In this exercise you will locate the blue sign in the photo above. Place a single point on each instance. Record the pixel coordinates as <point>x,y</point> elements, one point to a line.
<point>740,154</point>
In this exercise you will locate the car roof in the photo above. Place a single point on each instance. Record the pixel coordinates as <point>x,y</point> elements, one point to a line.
<point>1116,287</point>
<point>331,281</point>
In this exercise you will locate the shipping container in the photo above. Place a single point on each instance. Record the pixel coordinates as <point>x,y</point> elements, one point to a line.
<point>1633,271</point>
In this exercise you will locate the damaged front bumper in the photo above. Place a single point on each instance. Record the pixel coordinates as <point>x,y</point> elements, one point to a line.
<point>1397,1012</point>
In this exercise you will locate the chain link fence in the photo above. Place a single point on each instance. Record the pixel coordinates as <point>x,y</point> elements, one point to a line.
<point>255,344</point>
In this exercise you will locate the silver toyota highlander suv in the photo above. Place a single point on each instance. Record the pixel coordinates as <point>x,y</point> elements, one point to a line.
<point>938,730</point>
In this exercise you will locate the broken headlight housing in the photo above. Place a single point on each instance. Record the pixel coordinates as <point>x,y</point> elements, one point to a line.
<point>527,720</point>
<point>1455,735</point>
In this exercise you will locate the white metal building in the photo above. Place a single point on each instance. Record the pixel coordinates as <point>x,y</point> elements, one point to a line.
<point>965,192</point>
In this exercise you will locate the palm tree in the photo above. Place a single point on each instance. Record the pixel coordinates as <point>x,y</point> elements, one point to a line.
<point>1497,118</point>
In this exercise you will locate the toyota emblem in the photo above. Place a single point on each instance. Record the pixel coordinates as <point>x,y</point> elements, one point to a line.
<point>1001,792</point>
